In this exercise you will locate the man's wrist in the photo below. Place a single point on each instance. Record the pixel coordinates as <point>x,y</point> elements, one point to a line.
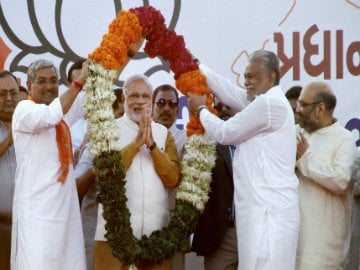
<point>78,85</point>
<point>197,114</point>
<point>152,147</point>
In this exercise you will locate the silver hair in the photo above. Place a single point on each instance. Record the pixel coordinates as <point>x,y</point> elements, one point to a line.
<point>134,78</point>
<point>269,60</point>
<point>38,64</point>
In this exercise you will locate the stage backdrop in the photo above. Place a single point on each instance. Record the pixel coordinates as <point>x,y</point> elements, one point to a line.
<point>315,40</point>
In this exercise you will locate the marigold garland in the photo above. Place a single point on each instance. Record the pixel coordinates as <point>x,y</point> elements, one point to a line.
<point>123,31</point>
<point>199,155</point>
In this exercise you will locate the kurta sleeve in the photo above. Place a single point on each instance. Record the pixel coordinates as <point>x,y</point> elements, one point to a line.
<point>224,89</point>
<point>334,175</point>
<point>33,118</point>
<point>263,114</point>
<point>167,163</point>
<point>128,153</point>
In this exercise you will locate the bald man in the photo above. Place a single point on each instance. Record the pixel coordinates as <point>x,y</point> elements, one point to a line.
<point>325,155</point>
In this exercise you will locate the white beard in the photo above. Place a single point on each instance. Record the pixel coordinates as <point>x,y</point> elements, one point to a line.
<point>136,117</point>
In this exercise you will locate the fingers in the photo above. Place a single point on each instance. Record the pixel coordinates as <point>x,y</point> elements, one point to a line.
<point>145,135</point>
<point>147,121</point>
<point>302,145</point>
<point>84,71</point>
<point>135,47</point>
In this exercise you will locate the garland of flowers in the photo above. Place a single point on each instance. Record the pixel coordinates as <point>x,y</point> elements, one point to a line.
<point>199,154</point>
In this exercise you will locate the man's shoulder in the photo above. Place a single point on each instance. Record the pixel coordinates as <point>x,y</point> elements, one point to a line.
<point>336,127</point>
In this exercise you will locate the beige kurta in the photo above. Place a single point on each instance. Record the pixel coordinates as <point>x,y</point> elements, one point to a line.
<point>325,198</point>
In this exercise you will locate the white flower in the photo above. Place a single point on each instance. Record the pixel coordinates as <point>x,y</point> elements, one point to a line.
<point>102,128</point>
<point>198,160</point>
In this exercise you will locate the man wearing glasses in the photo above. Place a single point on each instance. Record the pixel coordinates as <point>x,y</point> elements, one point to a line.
<point>325,156</point>
<point>165,101</point>
<point>165,111</point>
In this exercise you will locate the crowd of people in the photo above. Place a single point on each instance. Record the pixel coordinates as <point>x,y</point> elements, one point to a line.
<point>282,185</point>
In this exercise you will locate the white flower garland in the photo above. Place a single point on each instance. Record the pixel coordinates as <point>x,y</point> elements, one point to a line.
<point>102,128</point>
<point>198,160</point>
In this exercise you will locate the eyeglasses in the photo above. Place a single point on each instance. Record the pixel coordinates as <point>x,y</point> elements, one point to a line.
<point>162,102</point>
<point>302,104</point>
<point>4,94</point>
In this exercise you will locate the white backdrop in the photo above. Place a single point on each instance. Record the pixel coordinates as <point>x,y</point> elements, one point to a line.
<point>316,40</point>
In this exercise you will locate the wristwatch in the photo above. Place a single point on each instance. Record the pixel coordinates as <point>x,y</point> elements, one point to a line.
<point>197,114</point>
<point>152,147</point>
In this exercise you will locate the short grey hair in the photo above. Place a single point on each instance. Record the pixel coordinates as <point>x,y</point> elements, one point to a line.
<point>134,78</point>
<point>269,62</point>
<point>38,64</point>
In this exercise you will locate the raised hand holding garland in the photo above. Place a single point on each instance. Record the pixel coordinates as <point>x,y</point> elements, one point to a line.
<point>123,39</point>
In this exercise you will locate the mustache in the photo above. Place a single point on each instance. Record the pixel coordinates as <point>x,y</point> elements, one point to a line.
<point>9,104</point>
<point>165,114</point>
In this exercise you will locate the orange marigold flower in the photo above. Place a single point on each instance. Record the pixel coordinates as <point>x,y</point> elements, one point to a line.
<point>104,57</point>
<point>194,82</point>
<point>117,46</point>
<point>194,126</point>
<point>123,31</point>
<point>126,25</point>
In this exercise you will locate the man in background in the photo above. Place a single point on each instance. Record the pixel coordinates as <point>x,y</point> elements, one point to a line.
<point>292,94</point>
<point>165,111</point>
<point>118,104</point>
<point>165,102</point>
<point>9,97</point>
<point>78,129</point>
<point>325,156</point>
<point>24,93</point>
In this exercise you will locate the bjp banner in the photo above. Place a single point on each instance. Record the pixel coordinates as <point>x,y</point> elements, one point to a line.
<point>315,40</point>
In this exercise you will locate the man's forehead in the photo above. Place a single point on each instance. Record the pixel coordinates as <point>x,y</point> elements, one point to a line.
<point>166,93</point>
<point>306,94</point>
<point>46,72</point>
<point>7,79</point>
<point>139,86</point>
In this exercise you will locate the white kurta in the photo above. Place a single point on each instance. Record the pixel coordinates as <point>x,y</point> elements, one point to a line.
<point>325,197</point>
<point>266,198</point>
<point>47,232</point>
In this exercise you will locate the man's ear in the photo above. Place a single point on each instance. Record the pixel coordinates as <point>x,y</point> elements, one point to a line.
<point>322,107</point>
<point>28,86</point>
<point>272,78</point>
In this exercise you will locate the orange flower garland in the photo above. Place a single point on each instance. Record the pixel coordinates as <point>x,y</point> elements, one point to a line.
<point>126,29</point>
<point>123,31</point>
<point>194,82</point>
